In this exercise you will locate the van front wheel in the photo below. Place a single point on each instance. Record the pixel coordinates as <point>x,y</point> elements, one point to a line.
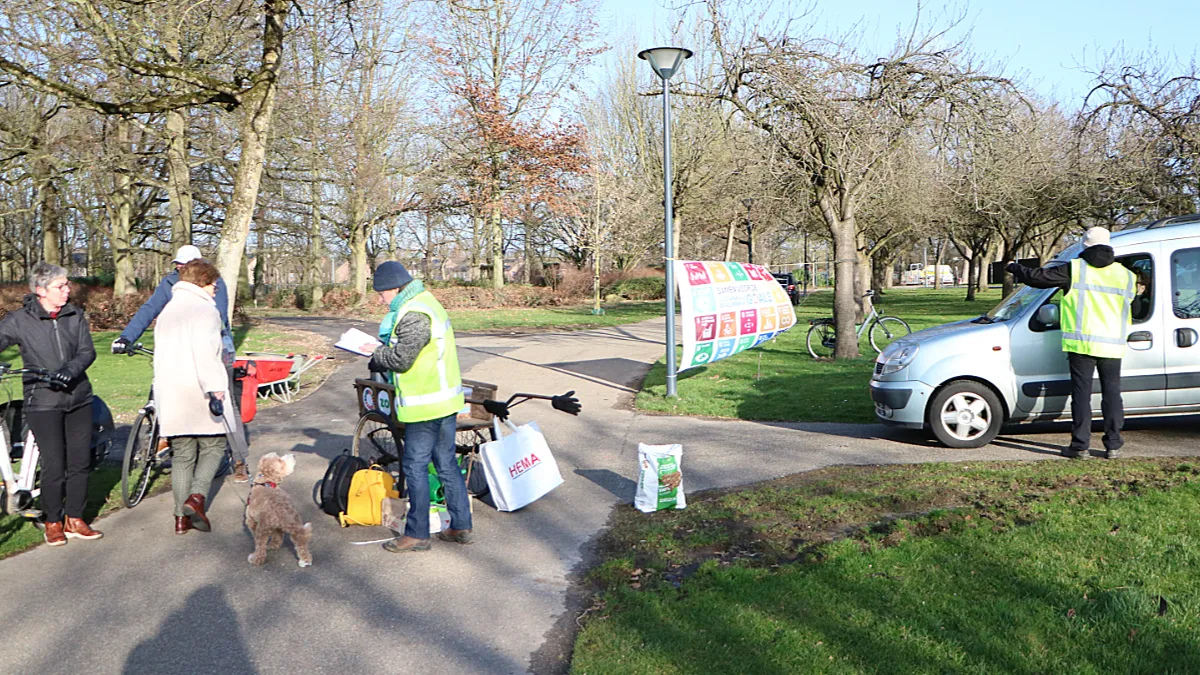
<point>965,414</point>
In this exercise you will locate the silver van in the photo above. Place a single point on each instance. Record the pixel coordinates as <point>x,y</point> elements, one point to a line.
<point>966,380</point>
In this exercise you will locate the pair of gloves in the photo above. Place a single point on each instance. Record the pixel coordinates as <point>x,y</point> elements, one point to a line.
<point>60,379</point>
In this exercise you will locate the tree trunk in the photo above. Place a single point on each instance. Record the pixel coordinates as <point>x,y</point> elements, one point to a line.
<point>497,229</point>
<point>862,277</point>
<point>476,246</point>
<point>256,127</point>
<point>729,237</point>
<point>427,258</point>
<point>313,262</point>
<point>260,259</point>
<point>358,258</point>
<point>179,179</point>
<point>845,305</point>
<point>47,203</point>
<point>971,264</point>
<point>120,214</point>
<point>939,249</point>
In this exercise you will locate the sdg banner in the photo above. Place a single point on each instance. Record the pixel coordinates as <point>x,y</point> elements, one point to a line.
<point>727,308</point>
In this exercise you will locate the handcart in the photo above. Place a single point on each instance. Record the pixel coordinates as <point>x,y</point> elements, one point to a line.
<point>379,436</point>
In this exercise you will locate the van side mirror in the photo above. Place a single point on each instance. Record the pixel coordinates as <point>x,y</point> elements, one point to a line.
<point>1047,315</point>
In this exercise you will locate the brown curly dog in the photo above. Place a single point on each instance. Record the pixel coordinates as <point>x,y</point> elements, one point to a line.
<point>270,514</point>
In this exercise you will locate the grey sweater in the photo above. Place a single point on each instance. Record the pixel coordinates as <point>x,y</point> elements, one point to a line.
<point>410,337</point>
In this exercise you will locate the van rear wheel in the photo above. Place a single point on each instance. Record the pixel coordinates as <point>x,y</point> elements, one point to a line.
<point>965,414</point>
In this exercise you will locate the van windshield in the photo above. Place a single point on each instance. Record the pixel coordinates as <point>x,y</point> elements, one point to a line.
<point>1015,303</point>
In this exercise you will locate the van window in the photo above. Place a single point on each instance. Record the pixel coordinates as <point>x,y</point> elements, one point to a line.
<point>1185,283</point>
<point>1142,265</point>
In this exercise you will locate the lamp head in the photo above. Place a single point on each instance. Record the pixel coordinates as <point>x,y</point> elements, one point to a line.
<point>666,61</point>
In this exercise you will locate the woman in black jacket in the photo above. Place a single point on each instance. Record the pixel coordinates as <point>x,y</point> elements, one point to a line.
<point>54,335</point>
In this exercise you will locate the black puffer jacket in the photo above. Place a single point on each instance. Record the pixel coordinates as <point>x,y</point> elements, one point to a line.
<point>62,342</point>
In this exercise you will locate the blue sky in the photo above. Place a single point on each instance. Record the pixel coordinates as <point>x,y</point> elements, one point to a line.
<point>1044,41</point>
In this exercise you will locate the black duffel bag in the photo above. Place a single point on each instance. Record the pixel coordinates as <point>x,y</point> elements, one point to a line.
<point>335,486</point>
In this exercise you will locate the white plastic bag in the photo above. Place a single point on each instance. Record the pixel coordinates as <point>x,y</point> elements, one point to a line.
<point>660,479</point>
<point>519,467</point>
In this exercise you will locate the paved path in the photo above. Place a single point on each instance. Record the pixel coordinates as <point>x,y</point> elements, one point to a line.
<point>144,600</point>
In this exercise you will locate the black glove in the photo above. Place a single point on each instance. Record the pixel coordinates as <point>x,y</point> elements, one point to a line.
<point>216,406</point>
<point>120,346</point>
<point>60,379</point>
<point>497,408</point>
<point>566,403</point>
<point>1012,267</point>
<point>376,367</point>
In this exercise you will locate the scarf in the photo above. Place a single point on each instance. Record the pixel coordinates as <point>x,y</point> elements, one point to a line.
<point>412,290</point>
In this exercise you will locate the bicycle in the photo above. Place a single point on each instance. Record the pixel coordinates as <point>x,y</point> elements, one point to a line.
<point>146,453</point>
<point>19,486</point>
<point>883,331</point>
<point>379,437</point>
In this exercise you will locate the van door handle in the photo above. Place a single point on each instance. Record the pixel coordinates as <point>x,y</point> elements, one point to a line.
<point>1185,337</point>
<point>1140,336</point>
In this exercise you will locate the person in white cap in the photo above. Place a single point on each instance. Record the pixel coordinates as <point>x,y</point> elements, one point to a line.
<point>151,309</point>
<point>1095,311</point>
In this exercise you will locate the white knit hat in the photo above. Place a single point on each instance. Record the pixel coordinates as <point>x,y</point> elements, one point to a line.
<point>1096,236</point>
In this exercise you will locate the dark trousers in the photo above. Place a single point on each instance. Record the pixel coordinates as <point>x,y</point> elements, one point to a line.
<point>64,441</point>
<point>1082,369</point>
<point>425,442</point>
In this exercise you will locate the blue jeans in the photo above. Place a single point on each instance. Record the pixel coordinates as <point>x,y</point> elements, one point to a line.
<point>425,442</point>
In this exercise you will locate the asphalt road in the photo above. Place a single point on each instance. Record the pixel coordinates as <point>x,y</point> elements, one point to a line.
<point>143,600</point>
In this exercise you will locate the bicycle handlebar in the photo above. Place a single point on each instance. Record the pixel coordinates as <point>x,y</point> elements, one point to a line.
<point>6,370</point>
<point>565,402</point>
<point>135,349</point>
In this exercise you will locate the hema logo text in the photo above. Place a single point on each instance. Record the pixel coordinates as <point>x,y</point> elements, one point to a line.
<point>524,464</point>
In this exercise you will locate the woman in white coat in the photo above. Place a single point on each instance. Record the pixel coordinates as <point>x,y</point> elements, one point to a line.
<point>190,385</point>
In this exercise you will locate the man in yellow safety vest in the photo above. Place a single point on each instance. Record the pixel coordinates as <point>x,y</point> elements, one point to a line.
<point>419,355</point>
<point>1095,312</point>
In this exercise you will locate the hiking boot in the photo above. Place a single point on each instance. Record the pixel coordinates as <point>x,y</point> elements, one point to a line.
<point>1071,453</point>
<point>456,536</point>
<point>406,544</point>
<point>183,524</point>
<point>240,473</point>
<point>77,529</point>
<point>194,509</point>
<point>54,534</point>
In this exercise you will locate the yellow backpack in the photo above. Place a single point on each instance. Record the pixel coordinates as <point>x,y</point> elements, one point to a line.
<point>364,503</point>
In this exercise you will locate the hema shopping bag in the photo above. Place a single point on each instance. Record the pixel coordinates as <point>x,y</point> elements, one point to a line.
<point>519,466</point>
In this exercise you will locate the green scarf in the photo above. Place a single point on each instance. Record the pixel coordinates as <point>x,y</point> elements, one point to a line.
<point>412,290</point>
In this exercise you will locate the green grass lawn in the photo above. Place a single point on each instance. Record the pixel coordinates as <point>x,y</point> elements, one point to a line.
<point>1038,567</point>
<point>780,381</point>
<point>124,382</point>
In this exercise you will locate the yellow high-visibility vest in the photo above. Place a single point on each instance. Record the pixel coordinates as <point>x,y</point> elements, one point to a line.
<point>1095,312</point>
<point>432,388</point>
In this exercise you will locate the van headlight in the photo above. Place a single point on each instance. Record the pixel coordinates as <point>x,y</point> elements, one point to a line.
<point>897,357</point>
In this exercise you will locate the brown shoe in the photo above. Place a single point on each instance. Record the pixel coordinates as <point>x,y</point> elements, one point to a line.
<point>182,524</point>
<point>54,534</point>
<point>406,544</point>
<point>194,508</point>
<point>163,449</point>
<point>240,473</point>
<point>77,529</point>
<point>456,536</point>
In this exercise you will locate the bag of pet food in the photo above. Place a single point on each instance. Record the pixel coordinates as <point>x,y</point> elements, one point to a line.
<point>660,481</point>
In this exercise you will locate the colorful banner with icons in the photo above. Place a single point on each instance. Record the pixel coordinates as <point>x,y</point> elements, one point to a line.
<point>728,307</point>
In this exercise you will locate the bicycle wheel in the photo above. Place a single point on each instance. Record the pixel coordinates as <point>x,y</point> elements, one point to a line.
<point>822,338</point>
<point>466,444</point>
<point>376,440</point>
<point>886,330</point>
<point>139,461</point>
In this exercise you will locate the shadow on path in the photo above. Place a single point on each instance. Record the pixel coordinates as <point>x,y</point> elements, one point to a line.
<point>205,623</point>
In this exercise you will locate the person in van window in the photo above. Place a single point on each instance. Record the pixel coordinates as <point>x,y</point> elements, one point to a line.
<point>54,335</point>
<point>1096,308</point>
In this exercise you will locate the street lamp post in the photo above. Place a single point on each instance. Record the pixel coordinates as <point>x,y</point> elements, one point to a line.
<point>666,61</point>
